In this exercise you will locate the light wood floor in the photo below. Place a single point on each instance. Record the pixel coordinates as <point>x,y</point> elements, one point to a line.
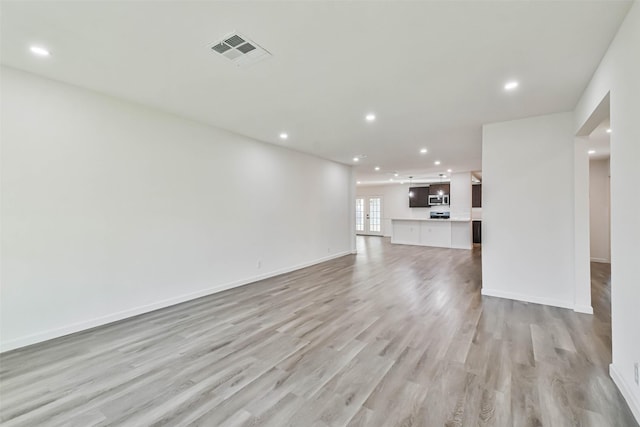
<point>394,336</point>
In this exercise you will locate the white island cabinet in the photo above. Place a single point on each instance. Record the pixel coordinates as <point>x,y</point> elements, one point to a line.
<point>441,233</point>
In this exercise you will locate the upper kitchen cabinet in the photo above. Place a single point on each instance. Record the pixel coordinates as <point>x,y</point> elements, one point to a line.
<point>419,197</point>
<point>476,196</point>
<point>434,189</point>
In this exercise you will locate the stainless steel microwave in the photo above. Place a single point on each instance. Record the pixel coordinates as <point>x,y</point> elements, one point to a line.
<point>437,199</point>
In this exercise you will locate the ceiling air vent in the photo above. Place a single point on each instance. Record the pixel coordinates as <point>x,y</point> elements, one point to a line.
<point>240,49</point>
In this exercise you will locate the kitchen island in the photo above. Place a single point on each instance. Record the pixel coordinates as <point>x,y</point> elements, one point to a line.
<point>441,233</point>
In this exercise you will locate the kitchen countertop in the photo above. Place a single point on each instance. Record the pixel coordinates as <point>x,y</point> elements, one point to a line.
<point>452,232</point>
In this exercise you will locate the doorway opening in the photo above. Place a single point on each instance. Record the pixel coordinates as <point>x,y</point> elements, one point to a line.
<point>593,153</point>
<point>599,151</point>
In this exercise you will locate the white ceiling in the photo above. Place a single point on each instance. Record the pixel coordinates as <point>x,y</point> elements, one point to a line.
<point>431,71</point>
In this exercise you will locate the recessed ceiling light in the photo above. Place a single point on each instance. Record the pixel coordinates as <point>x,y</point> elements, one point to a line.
<point>40,51</point>
<point>356,159</point>
<point>437,162</point>
<point>391,179</point>
<point>358,182</point>
<point>284,135</point>
<point>423,151</point>
<point>511,85</point>
<point>592,151</point>
<point>395,174</point>
<point>609,130</point>
<point>370,117</point>
<point>377,168</point>
<point>449,170</point>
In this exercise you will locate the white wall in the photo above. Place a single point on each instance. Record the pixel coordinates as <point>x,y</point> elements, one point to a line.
<point>599,209</point>
<point>395,200</point>
<point>461,195</point>
<point>110,209</point>
<point>395,203</point>
<point>527,252</point>
<point>618,75</point>
<point>581,239</point>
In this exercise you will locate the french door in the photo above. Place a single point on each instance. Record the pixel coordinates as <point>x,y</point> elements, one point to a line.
<point>369,215</point>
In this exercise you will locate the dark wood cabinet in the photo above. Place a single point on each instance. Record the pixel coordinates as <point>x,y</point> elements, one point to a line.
<point>435,188</point>
<point>420,197</point>
<point>476,196</point>
<point>477,231</point>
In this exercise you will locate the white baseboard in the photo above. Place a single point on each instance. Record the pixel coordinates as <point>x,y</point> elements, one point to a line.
<point>120,315</point>
<point>372,235</point>
<point>602,260</point>
<point>587,309</point>
<point>625,389</point>
<point>526,298</point>
<point>467,247</point>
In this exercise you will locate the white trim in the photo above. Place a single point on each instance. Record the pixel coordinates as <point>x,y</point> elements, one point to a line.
<point>526,298</point>
<point>581,231</point>
<point>587,309</point>
<point>602,260</point>
<point>135,311</point>
<point>625,390</point>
